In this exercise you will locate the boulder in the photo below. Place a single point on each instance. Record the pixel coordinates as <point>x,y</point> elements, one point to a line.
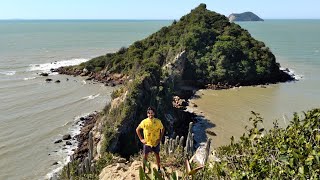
<point>58,141</point>
<point>44,74</point>
<point>68,143</point>
<point>66,137</point>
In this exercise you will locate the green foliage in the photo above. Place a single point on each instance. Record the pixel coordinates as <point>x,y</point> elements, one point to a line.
<point>290,153</point>
<point>217,51</point>
<point>105,160</point>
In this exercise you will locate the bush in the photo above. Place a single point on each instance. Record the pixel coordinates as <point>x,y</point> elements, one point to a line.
<point>281,153</point>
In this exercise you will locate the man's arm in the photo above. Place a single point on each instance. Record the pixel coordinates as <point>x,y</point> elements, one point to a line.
<point>139,135</point>
<point>161,135</point>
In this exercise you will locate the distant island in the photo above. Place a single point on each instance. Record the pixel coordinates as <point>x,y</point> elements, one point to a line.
<point>246,16</point>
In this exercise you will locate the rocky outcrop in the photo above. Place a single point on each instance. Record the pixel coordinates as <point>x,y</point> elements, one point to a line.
<point>102,77</point>
<point>246,16</point>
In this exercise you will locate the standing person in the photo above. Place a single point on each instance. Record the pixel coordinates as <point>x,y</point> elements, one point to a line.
<point>153,132</point>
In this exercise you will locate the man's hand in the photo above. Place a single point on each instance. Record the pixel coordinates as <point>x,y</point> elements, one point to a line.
<point>143,141</point>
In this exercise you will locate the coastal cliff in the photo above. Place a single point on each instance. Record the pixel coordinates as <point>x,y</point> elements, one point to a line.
<point>246,16</point>
<point>202,48</point>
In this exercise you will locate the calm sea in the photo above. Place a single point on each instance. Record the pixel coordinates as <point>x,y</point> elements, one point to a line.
<point>33,113</point>
<point>296,45</point>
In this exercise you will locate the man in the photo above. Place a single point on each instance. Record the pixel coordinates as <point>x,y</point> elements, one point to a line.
<point>153,132</point>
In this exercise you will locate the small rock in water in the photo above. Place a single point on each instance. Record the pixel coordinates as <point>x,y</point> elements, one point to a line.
<point>48,80</point>
<point>66,137</point>
<point>57,81</point>
<point>55,163</point>
<point>68,143</point>
<point>58,141</point>
<point>44,74</point>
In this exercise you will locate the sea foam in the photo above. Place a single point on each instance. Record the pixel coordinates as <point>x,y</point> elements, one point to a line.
<point>56,64</point>
<point>292,73</point>
<point>8,73</point>
<point>93,96</point>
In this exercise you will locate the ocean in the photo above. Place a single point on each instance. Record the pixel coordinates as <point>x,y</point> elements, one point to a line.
<point>296,45</point>
<point>34,113</point>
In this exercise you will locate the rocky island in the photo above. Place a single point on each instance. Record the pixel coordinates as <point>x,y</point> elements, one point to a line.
<point>246,16</point>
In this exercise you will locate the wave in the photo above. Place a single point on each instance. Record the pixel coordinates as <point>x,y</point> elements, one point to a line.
<point>91,97</point>
<point>8,73</point>
<point>56,64</point>
<point>292,73</point>
<point>29,78</point>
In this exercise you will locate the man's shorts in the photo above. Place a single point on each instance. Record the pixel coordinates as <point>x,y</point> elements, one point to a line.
<point>147,149</point>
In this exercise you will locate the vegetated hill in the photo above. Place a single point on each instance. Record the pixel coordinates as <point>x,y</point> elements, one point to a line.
<point>216,51</point>
<point>246,16</point>
<point>202,47</point>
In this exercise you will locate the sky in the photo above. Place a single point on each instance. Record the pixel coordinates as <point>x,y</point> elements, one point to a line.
<point>152,9</point>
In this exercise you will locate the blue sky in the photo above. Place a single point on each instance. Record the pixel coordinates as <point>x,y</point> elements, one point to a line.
<point>151,9</point>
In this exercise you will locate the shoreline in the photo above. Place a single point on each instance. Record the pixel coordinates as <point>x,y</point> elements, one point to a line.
<point>206,124</point>
<point>77,132</point>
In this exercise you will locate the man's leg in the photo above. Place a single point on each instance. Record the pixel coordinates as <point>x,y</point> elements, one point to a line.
<point>156,151</point>
<point>145,159</point>
<point>158,159</point>
<point>146,150</point>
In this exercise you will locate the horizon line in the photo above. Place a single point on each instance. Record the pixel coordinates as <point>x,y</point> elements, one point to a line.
<point>22,19</point>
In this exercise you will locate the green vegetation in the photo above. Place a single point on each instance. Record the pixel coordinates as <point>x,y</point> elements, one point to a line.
<point>217,51</point>
<point>289,153</point>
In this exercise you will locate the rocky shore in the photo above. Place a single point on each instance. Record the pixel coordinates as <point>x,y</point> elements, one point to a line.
<point>108,79</point>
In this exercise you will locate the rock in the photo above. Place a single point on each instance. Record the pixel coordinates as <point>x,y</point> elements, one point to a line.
<point>57,81</point>
<point>66,137</point>
<point>111,84</point>
<point>211,133</point>
<point>58,141</point>
<point>44,74</point>
<point>121,160</point>
<point>82,118</point>
<point>68,143</point>
<point>55,163</point>
<point>48,80</point>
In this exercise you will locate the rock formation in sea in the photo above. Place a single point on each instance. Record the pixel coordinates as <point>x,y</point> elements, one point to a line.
<point>246,16</point>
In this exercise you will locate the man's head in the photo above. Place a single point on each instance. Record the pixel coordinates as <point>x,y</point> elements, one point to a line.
<point>151,112</point>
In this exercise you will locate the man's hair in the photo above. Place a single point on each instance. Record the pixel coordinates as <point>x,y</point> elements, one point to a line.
<point>151,109</point>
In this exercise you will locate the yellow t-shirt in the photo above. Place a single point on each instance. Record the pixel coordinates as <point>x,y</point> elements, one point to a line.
<point>151,130</point>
